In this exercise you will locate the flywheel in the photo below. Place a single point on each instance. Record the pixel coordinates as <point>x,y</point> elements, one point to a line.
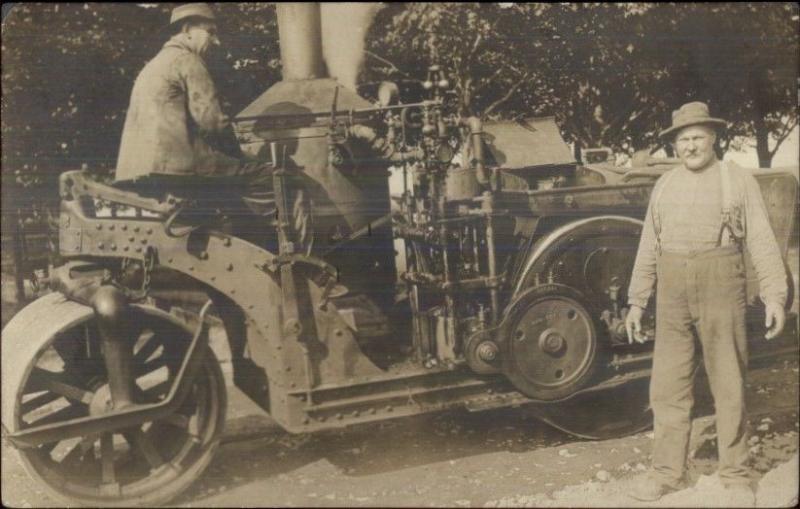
<point>549,342</point>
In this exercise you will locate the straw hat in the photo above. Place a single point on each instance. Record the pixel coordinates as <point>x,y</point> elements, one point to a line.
<point>691,114</point>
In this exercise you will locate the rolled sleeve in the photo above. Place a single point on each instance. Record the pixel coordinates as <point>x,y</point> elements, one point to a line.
<point>763,246</point>
<point>643,277</point>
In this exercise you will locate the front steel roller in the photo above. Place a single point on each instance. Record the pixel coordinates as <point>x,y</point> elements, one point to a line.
<point>53,371</point>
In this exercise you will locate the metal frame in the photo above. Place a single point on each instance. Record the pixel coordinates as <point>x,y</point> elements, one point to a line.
<point>317,376</point>
<point>306,391</point>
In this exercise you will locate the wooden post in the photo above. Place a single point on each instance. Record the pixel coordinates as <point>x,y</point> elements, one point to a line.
<point>17,240</point>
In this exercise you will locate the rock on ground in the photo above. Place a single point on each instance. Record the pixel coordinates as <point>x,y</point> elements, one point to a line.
<point>778,488</point>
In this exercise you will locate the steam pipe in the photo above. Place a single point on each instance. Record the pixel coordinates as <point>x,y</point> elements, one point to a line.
<point>383,146</point>
<point>300,33</point>
<point>476,139</point>
<point>488,207</point>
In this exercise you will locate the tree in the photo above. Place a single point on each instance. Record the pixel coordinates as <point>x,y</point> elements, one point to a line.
<point>743,59</point>
<point>475,42</point>
<point>610,73</point>
<point>609,85</point>
<point>589,65</point>
<point>68,70</point>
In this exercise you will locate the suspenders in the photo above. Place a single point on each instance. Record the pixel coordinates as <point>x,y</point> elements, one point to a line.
<point>655,214</point>
<point>732,211</point>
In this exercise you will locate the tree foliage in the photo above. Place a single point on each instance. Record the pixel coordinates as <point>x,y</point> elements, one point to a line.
<point>68,70</point>
<point>609,73</point>
<point>743,59</point>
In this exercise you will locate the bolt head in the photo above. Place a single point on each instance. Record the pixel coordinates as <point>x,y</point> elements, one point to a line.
<point>551,342</point>
<point>487,351</point>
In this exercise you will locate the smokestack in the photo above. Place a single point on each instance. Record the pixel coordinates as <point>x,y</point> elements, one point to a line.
<point>344,30</point>
<point>301,41</point>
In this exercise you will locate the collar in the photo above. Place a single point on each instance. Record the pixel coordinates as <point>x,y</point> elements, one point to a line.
<point>176,41</point>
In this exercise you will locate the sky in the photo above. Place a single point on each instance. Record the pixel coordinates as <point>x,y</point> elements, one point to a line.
<point>788,154</point>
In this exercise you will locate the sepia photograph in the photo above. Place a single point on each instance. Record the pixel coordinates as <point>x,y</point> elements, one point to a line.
<point>400,254</point>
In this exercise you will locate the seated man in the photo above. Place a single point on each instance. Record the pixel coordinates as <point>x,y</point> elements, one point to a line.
<point>174,110</point>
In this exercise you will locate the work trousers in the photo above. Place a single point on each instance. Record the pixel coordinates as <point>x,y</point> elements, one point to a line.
<point>700,293</point>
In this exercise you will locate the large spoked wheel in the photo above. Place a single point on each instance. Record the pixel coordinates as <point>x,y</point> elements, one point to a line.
<point>550,343</point>
<point>142,465</point>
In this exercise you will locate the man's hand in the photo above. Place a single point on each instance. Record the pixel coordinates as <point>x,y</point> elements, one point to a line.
<point>775,320</point>
<point>633,324</point>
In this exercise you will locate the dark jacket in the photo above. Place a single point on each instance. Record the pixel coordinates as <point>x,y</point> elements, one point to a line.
<point>173,105</point>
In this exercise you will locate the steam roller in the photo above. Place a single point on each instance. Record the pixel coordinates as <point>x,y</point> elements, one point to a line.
<point>494,275</point>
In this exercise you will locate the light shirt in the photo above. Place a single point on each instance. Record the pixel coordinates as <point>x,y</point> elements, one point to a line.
<point>690,212</point>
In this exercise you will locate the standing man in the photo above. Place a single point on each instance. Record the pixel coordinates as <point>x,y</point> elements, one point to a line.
<point>702,214</point>
<point>174,107</point>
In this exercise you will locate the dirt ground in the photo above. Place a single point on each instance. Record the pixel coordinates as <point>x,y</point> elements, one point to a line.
<point>501,458</point>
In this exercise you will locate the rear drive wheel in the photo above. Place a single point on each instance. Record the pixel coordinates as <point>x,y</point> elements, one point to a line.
<point>600,415</point>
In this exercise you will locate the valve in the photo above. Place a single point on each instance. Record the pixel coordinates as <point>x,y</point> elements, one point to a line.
<point>388,93</point>
<point>436,81</point>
